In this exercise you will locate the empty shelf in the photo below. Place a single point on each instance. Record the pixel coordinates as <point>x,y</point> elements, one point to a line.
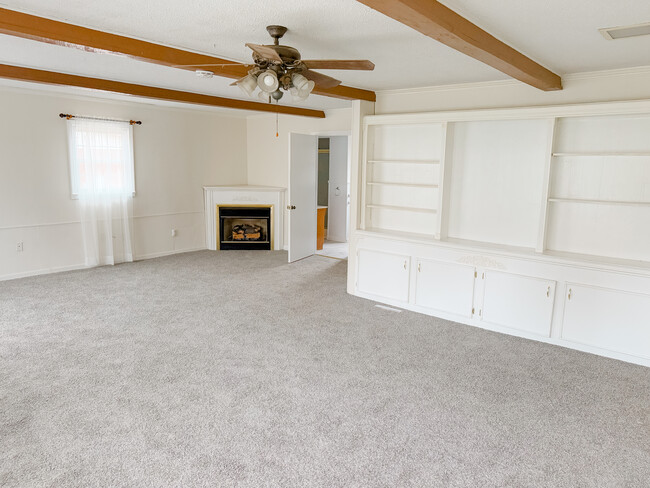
<point>405,185</point>
<point>405,161</point>
<point>599,202</point>
<point>404,209</point>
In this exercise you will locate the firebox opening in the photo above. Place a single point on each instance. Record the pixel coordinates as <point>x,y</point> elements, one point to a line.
<point>244,227</point>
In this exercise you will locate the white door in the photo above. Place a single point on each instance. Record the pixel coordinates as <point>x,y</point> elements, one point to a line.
<point>303,152</point>
<point>338,190</point>
<point>519,302</point>
<point>448,287</point>
<point>383,274</point>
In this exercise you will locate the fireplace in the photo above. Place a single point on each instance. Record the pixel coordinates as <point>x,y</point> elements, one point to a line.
<point>244,227</point>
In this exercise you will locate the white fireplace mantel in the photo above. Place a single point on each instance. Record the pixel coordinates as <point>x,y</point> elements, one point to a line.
<point>243,195</point>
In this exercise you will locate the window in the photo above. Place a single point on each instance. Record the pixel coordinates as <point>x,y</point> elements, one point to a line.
<point>101,157</point>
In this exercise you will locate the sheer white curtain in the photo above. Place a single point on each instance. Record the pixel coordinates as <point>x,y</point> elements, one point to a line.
<point>102,178</point>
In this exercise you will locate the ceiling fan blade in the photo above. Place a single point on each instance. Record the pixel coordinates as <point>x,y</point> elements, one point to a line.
<point>266,52</point>
<point>208,65</point>
<point>361,64</point>
<point>320,79</point>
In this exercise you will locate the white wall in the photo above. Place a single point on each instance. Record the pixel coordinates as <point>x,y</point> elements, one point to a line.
<point>268,155</point>
<point>622,84</point>
<point>177,152</point>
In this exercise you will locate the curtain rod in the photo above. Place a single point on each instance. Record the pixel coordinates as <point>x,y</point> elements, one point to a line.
<point>70,116</point>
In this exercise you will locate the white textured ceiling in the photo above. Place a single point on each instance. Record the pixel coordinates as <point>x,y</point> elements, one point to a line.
<point>559,34</point>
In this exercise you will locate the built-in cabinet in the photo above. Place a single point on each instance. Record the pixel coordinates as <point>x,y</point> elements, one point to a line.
<point>384,275</point>
<point>531,221</point>
<point>445,287</point>
<point>606,318</point>
<point>518,302</point>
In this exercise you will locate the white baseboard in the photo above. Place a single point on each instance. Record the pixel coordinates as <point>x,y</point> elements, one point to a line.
<point>60,269</point>
<point>42,271</point>
<point>167,253</point>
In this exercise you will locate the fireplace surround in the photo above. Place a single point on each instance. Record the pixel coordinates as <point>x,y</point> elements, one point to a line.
<point>215,197</point>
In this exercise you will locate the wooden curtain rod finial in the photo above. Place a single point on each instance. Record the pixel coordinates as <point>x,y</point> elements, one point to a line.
<point>135,122</point>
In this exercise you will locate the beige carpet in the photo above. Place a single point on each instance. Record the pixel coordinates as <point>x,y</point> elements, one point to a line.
<point>237,369</point>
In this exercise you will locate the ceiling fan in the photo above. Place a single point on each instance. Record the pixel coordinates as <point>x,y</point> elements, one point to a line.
<point>277,67</point>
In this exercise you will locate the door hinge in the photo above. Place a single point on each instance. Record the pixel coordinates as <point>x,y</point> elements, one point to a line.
<point>472,310</point>
<point>475,274</point>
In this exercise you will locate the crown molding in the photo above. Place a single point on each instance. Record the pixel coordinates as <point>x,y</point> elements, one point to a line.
<point>586,75</point>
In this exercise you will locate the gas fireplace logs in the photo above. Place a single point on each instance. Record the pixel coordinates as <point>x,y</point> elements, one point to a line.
<point>246,232</point>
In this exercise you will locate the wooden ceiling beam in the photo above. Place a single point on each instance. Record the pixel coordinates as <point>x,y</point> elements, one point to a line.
<point>36,28</point>
<point>54,78</point>
<point>439,22</point>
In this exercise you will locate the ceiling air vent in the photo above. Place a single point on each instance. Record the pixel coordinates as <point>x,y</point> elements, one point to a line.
<point>612,33</point>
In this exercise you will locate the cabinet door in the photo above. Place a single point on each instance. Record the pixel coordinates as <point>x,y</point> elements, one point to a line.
<point>383,274</point>
<point>448,287</point>
<point>615,320</point>
<point>519,302</point>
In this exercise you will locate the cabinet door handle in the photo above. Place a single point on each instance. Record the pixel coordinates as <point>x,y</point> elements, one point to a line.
<point>405,264</point>
<point>419,267</point>
<point>548,291</point>
<point>569,294</point>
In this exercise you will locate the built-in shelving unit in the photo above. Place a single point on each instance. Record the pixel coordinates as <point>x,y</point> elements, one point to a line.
<point>599,187</point>
<point>532,221</point>
<point>402,178</point>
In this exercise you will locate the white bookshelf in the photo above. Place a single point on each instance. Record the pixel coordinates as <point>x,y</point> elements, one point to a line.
<point>533,222</point>
<point>401,178</point>
<point>599,187</point>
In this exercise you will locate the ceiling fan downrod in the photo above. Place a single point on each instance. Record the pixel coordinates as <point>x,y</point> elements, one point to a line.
<point>276,32</point>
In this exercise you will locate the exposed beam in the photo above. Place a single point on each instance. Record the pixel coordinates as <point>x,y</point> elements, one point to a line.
<point>433,19</point>
<point>28,26</point>
<point>53,78</point>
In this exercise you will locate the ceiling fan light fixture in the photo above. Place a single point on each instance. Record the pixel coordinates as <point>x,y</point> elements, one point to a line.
<point>248,84</point>
<point>302,87</point>
<point>298,81</point>
<point>268,81</point>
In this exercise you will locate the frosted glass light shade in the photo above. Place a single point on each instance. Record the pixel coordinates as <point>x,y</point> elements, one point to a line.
<point>248,84</point>
<point>268,81</point>
<point>298,80</point>
<point>302,87</point>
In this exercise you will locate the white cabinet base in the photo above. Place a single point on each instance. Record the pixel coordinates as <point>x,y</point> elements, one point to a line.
<point>445,287</point>
<point>518,302</point>
<point>384,275</point>
<point>513,293</point>
<point>607,319</point>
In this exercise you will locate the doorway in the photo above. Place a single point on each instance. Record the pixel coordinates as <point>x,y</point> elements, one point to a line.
<point>319,189</point>
<point>333,196</point>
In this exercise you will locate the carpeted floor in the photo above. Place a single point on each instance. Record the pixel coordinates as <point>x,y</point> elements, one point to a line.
<point>237,369</point>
